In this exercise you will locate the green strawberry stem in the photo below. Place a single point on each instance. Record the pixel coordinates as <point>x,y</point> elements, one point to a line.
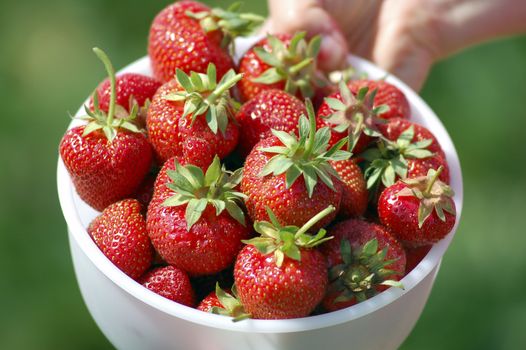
<point>312,132</point>
<point>224,87</point>
<point>433,180</point>
<point>314,220</point>
<point>298,67</point>
<point>111,74</point>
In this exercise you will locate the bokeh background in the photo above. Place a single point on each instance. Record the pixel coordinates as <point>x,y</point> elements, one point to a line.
<point>47,69</point>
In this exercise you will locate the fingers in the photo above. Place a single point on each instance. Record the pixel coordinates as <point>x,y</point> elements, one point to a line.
<point>291,16</point>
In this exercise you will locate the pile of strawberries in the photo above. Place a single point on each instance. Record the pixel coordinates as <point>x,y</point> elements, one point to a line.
<point>260,189</point>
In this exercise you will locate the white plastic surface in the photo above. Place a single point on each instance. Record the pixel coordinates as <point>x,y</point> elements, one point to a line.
<point>133,317</point>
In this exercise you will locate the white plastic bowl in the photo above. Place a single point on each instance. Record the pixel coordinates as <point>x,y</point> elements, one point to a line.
<point>132,317</point>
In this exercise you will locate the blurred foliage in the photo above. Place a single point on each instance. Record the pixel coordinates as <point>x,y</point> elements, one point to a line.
<point>47,69</point>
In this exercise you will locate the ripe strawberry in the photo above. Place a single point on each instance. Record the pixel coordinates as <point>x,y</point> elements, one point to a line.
<point>171,283</point>
<point>188,35</point>
<point>270,109</point>
<point>352,115</point>
<point>224,303</point>
<point>283,62</point>
<point>354,189</point>
<point>120,233</point>
<point>187,221</point>
<point>364,259</point>
<point>109,157</point>
<point>190,116</point>
<point>279,275</point>
<point>418,211</point>
<point>131,88</point>
<point>386,94</point>
<point>273,175</point>
<point>414,256</point>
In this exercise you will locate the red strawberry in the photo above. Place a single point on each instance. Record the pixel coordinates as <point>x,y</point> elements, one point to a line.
<point>364,259</point>
<point>188,35</point>
<point>354,193</point>
<point>415,255</point>
<point>282,173</point>
<point>351,114</point>
<point>224,303</point>
<point>279,275</point>
<point>191,117</point>
<point>120,233</point>
<point>131,88</point>
<point>283,62</point>
<point>171,283</point>
<point>270,109</point>
<point>109,157</point>
<point>386,94</point>
<point>419,211</point>
<point>194,219</point>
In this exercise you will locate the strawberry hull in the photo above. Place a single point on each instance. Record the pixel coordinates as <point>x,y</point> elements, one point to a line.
<point>133,317</point>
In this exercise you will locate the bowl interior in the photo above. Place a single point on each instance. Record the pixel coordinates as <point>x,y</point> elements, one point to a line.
<point>78,215</point>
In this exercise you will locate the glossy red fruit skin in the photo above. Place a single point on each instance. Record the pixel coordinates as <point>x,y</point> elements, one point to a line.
<point>104,172</point>
<point>354,188</point>
<point>141,87</point>
<point>172,135</point>
<point>415,255</point>
<point>358,232</point>
<point>291,206</point>
<point>171,283</point>
<point>321,121</point>
<point>395,126</point>
<point>210,246</point>
<point>270,109</point>
<point>400,215</point>
<point>387,94</point>
<point>252,67</point>
<point>209,302</point>
<point>271,292</point>
<point>120,233</point>
<point>419,167</point>
<point>178,41</point>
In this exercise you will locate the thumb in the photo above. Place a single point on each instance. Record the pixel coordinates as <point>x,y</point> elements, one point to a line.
<point>307,15</point>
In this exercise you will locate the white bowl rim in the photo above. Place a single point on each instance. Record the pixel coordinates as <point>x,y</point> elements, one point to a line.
<point>77,232</point>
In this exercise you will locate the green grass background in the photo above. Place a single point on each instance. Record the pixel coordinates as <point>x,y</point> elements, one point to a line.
<point>47,69</point>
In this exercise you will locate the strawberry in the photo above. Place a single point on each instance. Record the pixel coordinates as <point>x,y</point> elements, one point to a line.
<point>351,114</point>
<point>270,109</point>
<point>386,94</point>
<point>190,116</point>
<point>188,35</point>
<point>419,211</point>
<point>364,259</point>
<point>224,303</point>
<point>120,233</point>
<point>130,88</point>
<point>414,255</point>
<point>283,62</point>
<point>280,275</point>
<point>171,283</point>
<point>109,157</point>
<point>282,173</point>
<point>406,157</point>
<point>187,221</point>
<point>354,189</point>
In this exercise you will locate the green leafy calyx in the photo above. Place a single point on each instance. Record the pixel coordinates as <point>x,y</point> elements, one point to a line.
<point>361,271</point>
<point>287,240</point>
<point>231,305</point>
<point>308,156</point>
<point>294,64</point>
<point>355,114</point>
<point>197,190</point>
<point>231,22</point>
<point>117,116</point>
<point>432,193</point>
<point>388,160</point>
<point>202,94</point>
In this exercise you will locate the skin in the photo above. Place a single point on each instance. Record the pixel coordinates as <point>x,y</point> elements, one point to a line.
<point>403,37</point>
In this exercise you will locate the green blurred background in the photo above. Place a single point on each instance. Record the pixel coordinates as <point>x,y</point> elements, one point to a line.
<point>47,69</point>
